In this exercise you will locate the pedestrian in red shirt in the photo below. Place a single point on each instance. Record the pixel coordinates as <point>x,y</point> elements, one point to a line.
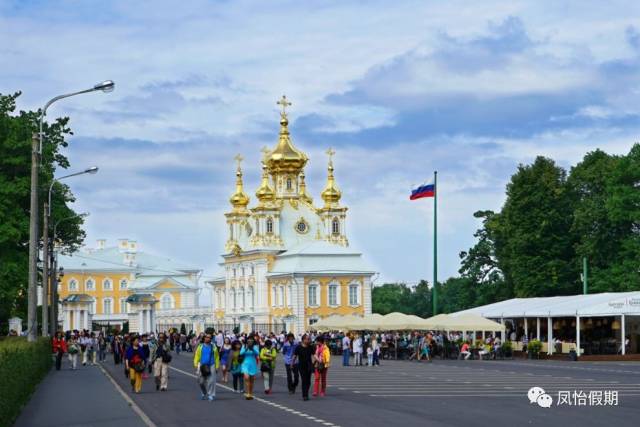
<point>59,348</point>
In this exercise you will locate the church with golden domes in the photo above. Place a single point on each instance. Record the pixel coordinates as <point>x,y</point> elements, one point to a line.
<point>287,261</point>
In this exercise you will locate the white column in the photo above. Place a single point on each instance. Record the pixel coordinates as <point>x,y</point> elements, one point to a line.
<point>67,320</point>
<point>623,335</point>
<point>578,335</point>
<point>482,336</point>
<point>526,327</point>
<point>504,330</point>
<point>550,335</point>
<point>538,328</point>
<point>86,320</point>
<point>140,321</point>
<point>76,320</point>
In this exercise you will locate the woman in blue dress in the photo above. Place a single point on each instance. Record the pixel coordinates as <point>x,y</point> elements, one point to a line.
<point>250,353</point>
<point>225,359</point>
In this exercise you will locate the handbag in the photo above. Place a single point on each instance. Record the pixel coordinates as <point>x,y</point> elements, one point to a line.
<point>264,367</point>
<point>166,357</point>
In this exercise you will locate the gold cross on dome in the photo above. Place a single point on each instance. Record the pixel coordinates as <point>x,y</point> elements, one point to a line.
<point>285,103</point>
<point>238,158</point>
<point>330,152</point>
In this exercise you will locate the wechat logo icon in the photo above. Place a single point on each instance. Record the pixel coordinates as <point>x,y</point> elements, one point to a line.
<point>539,396</point>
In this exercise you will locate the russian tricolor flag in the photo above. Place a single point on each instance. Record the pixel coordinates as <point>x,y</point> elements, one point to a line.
<point>425,190</point>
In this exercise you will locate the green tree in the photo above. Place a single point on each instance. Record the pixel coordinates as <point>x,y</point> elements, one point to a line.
<point>391,297</point>
<point>15,177</point>
<point>533,242</point>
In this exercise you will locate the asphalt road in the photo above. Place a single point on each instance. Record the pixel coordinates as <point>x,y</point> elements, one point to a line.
<point>442,393</point>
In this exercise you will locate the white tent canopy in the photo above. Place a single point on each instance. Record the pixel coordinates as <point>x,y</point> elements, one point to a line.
<point>604,304</point>
<point>470,322</point>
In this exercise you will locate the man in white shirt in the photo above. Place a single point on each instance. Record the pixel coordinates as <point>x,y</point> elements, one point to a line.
<point>346,346</point>
<point>357,350</point>
<point>219,339</point>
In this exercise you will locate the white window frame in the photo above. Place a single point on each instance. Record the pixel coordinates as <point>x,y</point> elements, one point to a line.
<point>289,296</point>
<point>281,300</point>
<point>269,225</point>
<point>224,298</point>
<point>233,298</point>
<point>356,286</point>
<point>73,281</point>
<point>242,298</point>
<point>123,306</point>
<point>104,284</point>
<point>251,297</point>
<point>336,286</point>
<point>104,305</point>
<point>167,297</point>
<point>274,296</point>
<point>125,282</point>
<point>313,290</point>
<point>86,284</point>
<point>335,226</point>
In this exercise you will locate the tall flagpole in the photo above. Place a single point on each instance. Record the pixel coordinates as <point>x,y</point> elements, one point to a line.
<point>435,242</point>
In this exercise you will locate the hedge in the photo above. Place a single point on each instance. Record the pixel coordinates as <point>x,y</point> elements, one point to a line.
<point>22,366</point>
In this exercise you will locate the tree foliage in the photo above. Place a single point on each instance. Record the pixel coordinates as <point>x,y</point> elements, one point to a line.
<point>16,131</point>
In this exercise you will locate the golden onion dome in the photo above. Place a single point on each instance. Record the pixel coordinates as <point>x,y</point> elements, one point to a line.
<point>285,158</point>
<point>265,193</point>
<point>239,200</point>
<point>331,194</point>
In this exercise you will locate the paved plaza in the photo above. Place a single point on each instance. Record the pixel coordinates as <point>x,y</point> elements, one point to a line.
<point>442,393</point>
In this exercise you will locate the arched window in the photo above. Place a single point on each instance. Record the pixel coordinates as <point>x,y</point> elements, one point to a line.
<point>166,302</point>
<point>123,306</point>
<point>289,296</point>
<point>90,285</point>
<point>335,226</point>
<point>289,184</point>
<point>233,298</point>
<point>123,283</point>
<point>107,284</point>
<point>73,285</point>
<point>242,298</point>
<point>281,304</point>
<point>274,296</point>
<point>251,298</point>
<point>269,226</point>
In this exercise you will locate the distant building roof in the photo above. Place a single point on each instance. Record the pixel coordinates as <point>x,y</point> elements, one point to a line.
<point>115,259</point>
<point>79,298</point>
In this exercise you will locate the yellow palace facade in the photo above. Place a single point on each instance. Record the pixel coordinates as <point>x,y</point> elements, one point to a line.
<point>287,261</point>
<point>103,285</point>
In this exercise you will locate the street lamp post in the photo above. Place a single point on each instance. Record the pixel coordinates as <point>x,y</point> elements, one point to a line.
<point>54,272</point>
<point>50,328</point>
<point>36,151</point>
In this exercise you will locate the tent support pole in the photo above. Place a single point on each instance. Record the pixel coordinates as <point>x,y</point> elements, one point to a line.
<point>538,328</point>
<point>623,335</point>
<point>549,335</point>
<point>578,335</point>
<point>526,327</point>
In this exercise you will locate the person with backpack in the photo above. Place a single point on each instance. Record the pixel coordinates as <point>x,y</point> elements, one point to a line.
<point>73,349</point>
<point>235,368</point>
<point>160,363</point>
<point>322,357</point>
<point>135,362</point>
<point>102,348</point>
<point>250,353</point>
<point>59,348</point>
<point>268,356</point>
<point>206,360</point>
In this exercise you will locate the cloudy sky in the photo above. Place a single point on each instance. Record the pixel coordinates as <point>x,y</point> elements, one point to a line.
<point>399,89</point>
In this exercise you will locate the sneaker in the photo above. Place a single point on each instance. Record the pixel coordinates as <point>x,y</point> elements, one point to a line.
<point>203,397</point>
<point>314,394</point>
<point>157,387</point>
<point>212,398</point>
<point>322,394</point>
